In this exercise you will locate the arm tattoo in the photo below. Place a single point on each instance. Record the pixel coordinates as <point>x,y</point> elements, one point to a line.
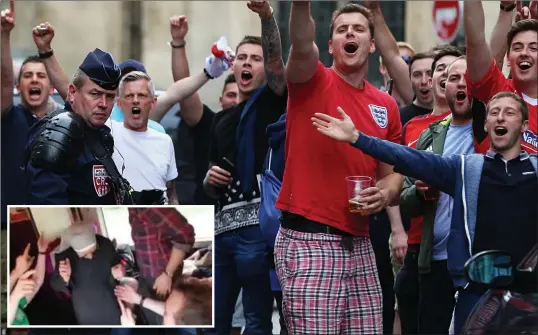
<point>272,55</point>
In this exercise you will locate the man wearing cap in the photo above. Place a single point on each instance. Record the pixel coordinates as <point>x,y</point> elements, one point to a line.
<point>126,67</point>
<point>83,270</point>
<point>61,153</point>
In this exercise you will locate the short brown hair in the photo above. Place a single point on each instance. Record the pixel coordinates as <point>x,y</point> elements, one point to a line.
<point>522,104</point>
<point>352,8</point>
<point>518,27</point>
<point>446,50</point>
<point>249,39</point>
<point>29,59</point>
<point>230,79</point>
<point>418,56</point>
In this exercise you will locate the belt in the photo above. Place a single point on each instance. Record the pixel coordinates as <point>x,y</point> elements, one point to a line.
<point>303,225</point>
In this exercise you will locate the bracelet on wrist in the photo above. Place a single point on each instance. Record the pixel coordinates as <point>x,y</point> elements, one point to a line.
<point>46,54</point>
<point>209,77</point>
<point>176,46</point>
<point>508,8</point>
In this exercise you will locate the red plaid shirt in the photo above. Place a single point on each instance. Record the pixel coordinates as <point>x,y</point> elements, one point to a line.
<point>155,232</point>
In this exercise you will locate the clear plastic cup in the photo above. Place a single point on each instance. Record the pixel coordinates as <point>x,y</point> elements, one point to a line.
<point>355,184</point>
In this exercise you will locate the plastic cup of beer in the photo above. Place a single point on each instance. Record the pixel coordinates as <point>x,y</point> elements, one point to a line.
<point>355,184</point>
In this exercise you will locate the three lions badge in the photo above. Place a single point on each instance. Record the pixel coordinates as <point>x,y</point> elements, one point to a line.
<point>380,115</point>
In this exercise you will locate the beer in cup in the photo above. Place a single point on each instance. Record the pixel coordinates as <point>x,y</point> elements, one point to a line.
<point>355,185</point>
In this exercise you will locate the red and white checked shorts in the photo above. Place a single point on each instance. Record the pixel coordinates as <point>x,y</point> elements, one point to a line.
<point>327,289</point>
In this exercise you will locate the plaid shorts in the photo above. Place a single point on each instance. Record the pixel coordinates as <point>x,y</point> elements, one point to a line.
<point>326,289</point>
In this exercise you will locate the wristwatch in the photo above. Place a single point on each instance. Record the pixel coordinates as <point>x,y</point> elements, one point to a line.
<point>508,8</point>
<point>46,54</point>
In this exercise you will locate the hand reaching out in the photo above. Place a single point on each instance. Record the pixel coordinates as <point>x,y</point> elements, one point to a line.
<point>24,261</point>
<point>127,317</point>
<point>25,286</point>
<point>7,18</point>
<point>163,285</point>
<point>42,243</point>
<point>43,35</point>
<point>128,294</point>
<point>339,129</point>
<point>179,27</point>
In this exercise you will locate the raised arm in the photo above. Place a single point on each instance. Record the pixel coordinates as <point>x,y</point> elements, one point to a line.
<point>386,44</point>
<point>43,35</point>
<point>271,45</point>
<point>479,56</point>
<point>7,23</point>
<point>497,40</point>
<point>184,88</point>
<point>304,53</point>
<point>191,108</point>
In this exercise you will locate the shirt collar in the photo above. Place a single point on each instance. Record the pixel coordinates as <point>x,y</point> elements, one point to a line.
<point>522,156</point>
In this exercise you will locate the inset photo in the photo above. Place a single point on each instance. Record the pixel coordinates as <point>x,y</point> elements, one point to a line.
<point>112,266</point>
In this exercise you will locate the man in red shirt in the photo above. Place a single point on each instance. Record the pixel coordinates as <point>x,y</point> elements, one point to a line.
<point>324,258</point>
<point>484,77</point>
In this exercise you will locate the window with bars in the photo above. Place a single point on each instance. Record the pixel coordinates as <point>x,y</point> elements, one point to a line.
<point>393,11</point>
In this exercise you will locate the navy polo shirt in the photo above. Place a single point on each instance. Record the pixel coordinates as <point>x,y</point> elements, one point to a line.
<point>15,125</point>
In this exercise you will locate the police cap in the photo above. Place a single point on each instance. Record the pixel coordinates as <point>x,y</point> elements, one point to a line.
<point>131,65</point>
<point>100,67</point>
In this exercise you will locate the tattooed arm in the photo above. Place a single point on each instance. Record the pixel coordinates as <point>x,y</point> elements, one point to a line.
<point>272,47</point>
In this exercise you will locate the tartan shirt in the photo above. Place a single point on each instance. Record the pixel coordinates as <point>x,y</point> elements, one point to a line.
<point>155,231</point>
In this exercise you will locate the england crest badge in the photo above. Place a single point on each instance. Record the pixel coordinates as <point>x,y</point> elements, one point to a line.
<point>100,180</point>
<point>380,115</point>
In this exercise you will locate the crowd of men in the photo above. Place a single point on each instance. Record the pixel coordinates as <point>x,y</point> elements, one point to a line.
<point>451,146</point>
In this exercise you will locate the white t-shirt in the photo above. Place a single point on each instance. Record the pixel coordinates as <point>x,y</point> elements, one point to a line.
<point>146,159</point>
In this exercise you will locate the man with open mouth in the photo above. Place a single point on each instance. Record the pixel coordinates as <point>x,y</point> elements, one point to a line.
<point>67,152</point>
<point>35,88</point>
<point>482,188</point>
<point>144,156</point>
<point>317,226</point>
<point>486,79</point>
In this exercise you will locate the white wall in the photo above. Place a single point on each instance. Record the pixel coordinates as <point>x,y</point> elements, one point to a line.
<point>51,221</point>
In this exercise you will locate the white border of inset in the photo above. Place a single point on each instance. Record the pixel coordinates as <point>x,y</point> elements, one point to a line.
<point>202,207</point>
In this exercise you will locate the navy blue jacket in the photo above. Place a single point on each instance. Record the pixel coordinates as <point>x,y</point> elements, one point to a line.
<point>457,175</point>
<point>84,185</point>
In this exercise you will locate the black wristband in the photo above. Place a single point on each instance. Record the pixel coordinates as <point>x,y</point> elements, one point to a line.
<point>46,55</point>
<point>508,8</point>
<point>207,74</point>
<point>176,46</point>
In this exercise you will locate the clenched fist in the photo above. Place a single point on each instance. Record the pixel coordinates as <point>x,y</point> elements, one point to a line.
<point>43,35</point>
<point>261,7</point>
<point>179,27</point>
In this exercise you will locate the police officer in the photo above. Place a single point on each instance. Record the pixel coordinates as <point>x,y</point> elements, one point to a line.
<point>69,152</point>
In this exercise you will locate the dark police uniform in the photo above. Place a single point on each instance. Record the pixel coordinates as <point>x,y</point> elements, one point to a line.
<point>62,167</point>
